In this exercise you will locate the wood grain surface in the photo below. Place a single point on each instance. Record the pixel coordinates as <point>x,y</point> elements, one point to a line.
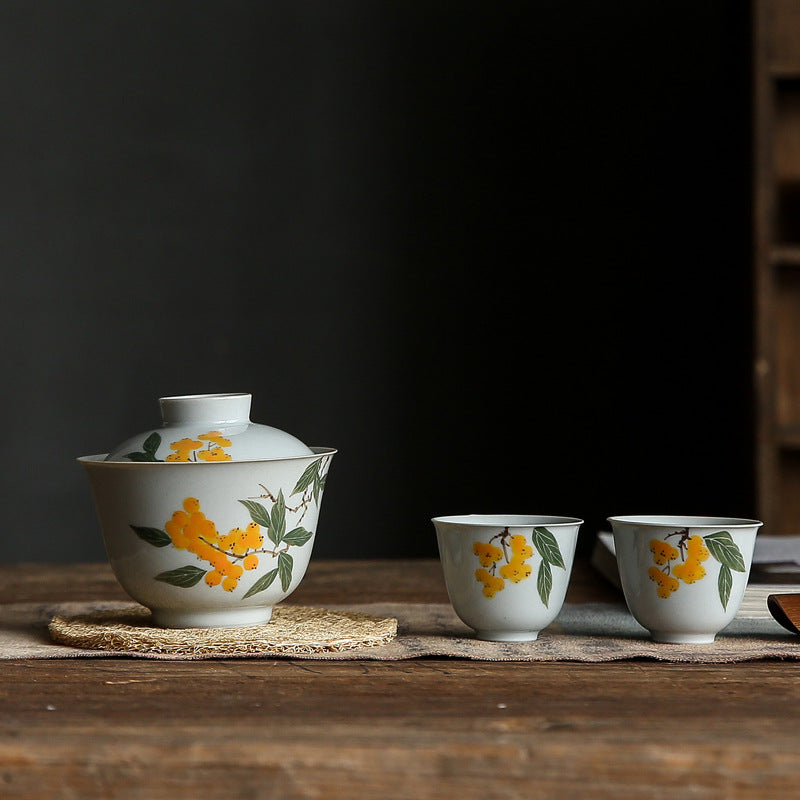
<point>419,729</point>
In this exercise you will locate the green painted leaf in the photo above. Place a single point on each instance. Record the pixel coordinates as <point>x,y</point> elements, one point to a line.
<point>724,549</point>
<point>141,457</point>
<point>544,581</point>
<point>152,443</point>
<point>724,582</point>
<point>184,577</point>
<point>277,523</point>
<point>319,485</point>
<point>258,513</point>
<point>285,564</point>
<point>153,536</point>
<point>298,536</point>
<point>548,548</point>
<point>264,582</point>
<point>309,476</point>
<point>271,535</point>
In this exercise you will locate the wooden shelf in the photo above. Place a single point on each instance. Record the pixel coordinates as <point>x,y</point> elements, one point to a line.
<point>776,234</point>
<point>787,437</point>
<point>786,255</point>
<point>778,23</point>
<point>784,73</point>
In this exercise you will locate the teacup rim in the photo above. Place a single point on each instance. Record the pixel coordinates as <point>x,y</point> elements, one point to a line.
<point>506,520</point>
<point>683,521</point>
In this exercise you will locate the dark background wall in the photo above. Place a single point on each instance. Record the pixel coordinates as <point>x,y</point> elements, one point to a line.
<point>496,253</point>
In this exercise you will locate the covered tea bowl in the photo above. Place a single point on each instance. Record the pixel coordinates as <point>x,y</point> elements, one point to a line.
<point>210,519</point>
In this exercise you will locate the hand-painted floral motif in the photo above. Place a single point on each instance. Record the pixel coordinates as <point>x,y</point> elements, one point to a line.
<point>226,557</point>
<point>692,552</point>
<point>206,447</point>
<point>514,551</point>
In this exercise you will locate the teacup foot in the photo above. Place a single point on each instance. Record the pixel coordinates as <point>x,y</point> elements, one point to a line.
<point>207,618</point>
<point>682,638</point>
<point>507,636</point>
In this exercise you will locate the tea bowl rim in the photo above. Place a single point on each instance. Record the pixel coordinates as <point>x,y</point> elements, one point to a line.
<point>683,521</point>
<point>506,520</point>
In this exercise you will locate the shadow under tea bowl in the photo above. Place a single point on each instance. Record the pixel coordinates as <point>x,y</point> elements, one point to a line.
<point>507,574</point>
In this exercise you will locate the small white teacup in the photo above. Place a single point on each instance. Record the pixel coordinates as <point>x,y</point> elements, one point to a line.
<point>684,577</point>
<point>507,574</point>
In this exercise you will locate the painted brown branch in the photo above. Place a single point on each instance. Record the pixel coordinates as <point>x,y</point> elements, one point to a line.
<point>305,500</point>
<point>503,537</point>
<point>684,537</point>
<point>223,551</point>
<point>273,553</point>
<point>248,552</point>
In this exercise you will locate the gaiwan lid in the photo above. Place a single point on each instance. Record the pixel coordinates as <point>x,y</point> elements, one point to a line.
<point>206,428</point>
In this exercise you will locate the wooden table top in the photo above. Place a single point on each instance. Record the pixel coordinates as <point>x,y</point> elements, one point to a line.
<point>428,728</point>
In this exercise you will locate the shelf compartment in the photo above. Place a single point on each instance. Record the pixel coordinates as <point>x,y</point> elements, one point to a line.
<point>787,349</point>
<point>786,160</point>
<point>782,21</point>
<point>787,437</point>
<point>787,255</point>
<point>787,518</point>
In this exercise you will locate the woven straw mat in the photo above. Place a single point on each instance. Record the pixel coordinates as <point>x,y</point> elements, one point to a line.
<point>292,630</point>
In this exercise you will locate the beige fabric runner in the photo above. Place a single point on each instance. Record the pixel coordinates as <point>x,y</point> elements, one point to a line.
<point>582,632</point>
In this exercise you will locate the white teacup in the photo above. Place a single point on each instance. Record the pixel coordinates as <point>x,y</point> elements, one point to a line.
<point>684,577</point>
<point>507,574</point>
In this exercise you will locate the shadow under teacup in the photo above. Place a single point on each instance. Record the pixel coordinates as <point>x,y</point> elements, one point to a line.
<point>684,577</point>
<point>506,574</point>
